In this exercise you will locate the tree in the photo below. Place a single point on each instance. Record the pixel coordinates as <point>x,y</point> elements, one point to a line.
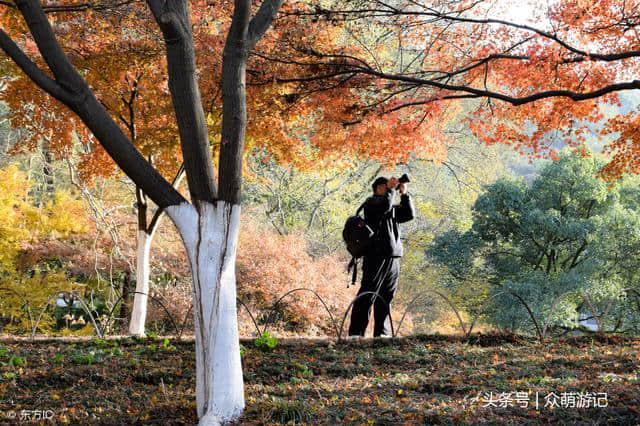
<point>125,70</point>
<point>547,249</point>
<point>526,85</point>
<point>315,202</point>
<point>209,224</point>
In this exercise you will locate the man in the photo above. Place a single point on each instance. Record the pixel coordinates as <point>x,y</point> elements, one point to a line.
<point>381,265</point>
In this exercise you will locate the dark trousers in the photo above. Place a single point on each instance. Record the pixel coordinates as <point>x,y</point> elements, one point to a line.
<point>379,275</point>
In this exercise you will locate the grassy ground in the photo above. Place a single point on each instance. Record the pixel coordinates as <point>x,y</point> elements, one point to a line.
<point>422,379</point>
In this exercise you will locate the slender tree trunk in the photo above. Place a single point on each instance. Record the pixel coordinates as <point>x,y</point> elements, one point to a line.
<point>47,170</point>
<point>126,290</point>
<point>140,300</point>
<point>146,231</point>
<point>234,119</point>
<point>210,235</point>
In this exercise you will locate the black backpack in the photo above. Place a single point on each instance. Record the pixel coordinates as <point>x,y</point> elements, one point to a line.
<point>358,237</point>
<point>357,234</point>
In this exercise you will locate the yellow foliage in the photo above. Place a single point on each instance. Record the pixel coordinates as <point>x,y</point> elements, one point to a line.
<point>20,293</point>
<point>87,330</point>
<point>16,215</point>
<point>23,294</point>
<point>64,216</point>
<point>23,223</point>
<point>426,209</point>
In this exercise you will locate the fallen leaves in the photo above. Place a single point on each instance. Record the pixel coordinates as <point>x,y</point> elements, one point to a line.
<point>391,384</point>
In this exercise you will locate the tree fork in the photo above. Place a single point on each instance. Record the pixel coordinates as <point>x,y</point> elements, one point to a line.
<point>174,20</point>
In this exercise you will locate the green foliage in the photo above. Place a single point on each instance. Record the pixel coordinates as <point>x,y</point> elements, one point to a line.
<point>88,358</point>
<point>17,361</point>
<point>547,244</point>
<point>167,346</point>
<point>314,202</point>
<point>104,343</point>
<point>9,375</point>
<point>287,411</point>
<point>265,341</point>
<point>305,371</point>
<point>164,346</point>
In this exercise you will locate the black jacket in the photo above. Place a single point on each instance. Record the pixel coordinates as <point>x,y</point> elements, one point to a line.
<point>387,241</point>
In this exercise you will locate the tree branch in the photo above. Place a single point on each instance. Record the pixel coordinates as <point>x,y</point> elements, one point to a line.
<point>388,11</point>
<point>174,19</point>
<point>608,57</point>
<point>64,73</point>
<point>155,220</point>
<point>576,96</point>
<point>262,20</point>
<point>79,7</point>
<point>31,69</point>
<point>81,100</point>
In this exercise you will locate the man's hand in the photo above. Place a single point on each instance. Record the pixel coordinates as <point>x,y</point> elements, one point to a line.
<point>392,183</point>
<point>402,188</point>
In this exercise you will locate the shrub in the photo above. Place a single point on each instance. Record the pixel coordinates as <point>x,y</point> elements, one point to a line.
<point>266,340</point>
<point>279,264</point>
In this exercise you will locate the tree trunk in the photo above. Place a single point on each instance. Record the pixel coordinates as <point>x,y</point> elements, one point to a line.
<point>47,170</point>
<point>140,300</point>
<point>146,231</point>
<point>210,235</point>
<point>126,290</point>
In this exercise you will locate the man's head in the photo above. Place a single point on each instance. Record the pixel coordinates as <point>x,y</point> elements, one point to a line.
<point>380,185</point>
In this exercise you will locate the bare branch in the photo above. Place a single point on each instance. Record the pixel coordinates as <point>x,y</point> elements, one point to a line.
<point>78,7</point>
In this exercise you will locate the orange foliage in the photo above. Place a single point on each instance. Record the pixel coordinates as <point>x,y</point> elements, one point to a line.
<point>121,54</point>
<point>279,264</point>
<point>368,86</point>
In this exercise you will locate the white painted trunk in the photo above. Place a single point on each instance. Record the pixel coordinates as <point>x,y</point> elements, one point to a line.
<point>140,300</point>
<point>210,236</point>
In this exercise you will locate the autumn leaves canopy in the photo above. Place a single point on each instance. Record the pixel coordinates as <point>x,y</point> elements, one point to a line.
<point>341,78</point>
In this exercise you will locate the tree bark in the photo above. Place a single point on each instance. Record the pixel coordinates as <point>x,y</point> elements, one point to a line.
<point>48,189</point>
<point>126,291</point>
<point>210,235</point>
<point>174,20</point>
<point>243,35</point>
<point>140,299</point>
<point>234,105</point>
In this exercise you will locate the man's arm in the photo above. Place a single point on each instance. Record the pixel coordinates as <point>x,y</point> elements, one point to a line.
<point>405,211</point>
<point>379,205</point>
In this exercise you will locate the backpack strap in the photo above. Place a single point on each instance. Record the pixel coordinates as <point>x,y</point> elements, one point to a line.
<point>353,264</point>
<point>392,213</point>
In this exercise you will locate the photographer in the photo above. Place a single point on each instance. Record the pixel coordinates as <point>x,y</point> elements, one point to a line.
<point>381,265</point>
